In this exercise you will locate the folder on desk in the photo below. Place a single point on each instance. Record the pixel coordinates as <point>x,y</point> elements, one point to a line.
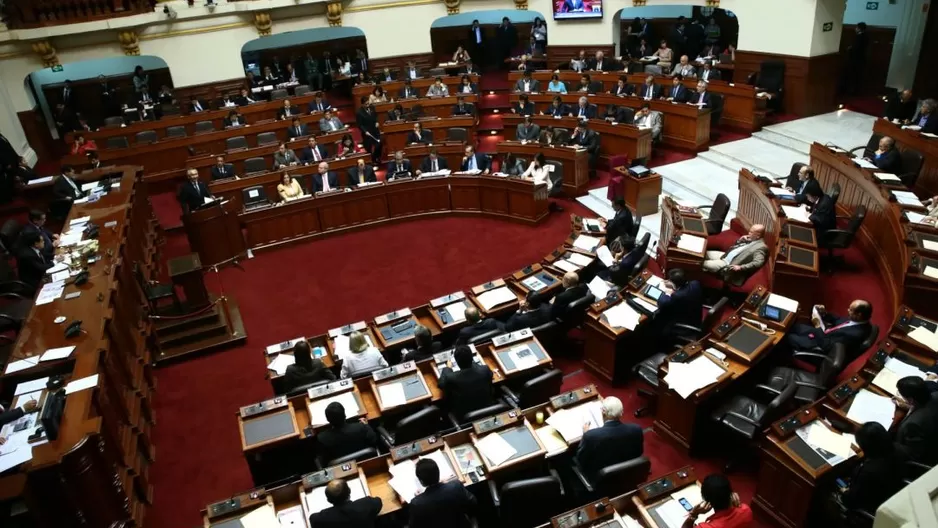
<point>495,297</point>
<point>496,449</point>
<point>692,243</point>
<point>456,311</point>
<point>579,259</point>
<point>907,198</point>
<point>622,316</point>
<point>747,339</point>
<point>797,214</point>
<point>268,427</point>
<point>566,265</point>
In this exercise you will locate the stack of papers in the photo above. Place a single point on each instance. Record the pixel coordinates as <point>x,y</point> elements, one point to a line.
<point>579,259</point>
<point>893,371</point>
<point>821,438</point>
<point>599,288</point>
<point>782,303</point>
<point>566,265</point>
<point>280,363</point>
<point>263,517</point>
<point>915,218</point>
<point>930,271</point>
<point>569,422</point>
<point>622,316</point>
<point>586,242</point>
<point>494,448</point>
<point>863,163</point>
<point>493,298</point>
<point>605,256</point>
<point>36,385</point>
<point>871,407</point>
<point>57,353</point>
<point>392,394</point>
<point>522,357</point>
<point>317,408</point>
<point>687,378</point>
<point>780,191</point>
<point>930,245</point>
<point>797,214</point>
<point>692,243</point>
<point>404,476</point>
<point>316,498</point>
<point>50,292</point>
<point>907,198</point>
<point>925,336</point>
<point>886,176</point>
<point>81,384</point>
<point>22,364</point>
<point>533,283</point>
<point>457,311</point>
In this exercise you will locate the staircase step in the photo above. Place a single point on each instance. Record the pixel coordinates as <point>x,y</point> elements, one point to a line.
<point>168,327</point>
<point>210,328</point>
<point>213,338</point>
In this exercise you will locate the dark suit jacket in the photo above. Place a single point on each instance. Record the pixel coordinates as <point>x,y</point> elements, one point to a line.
<point>527,109</point>
<point>48,251</point>
<point>917,434</point>
<point>564,298</point>
<point>610,444</point>
<point>608,65</point>
<point>382,77</point>
<point>824,216</point>
<point>589,140</point>
<point>467,109</point>
<point>426,166</point>
<point>683,306</point>
<point>628,89</point>
<point>805,336</point>
<point>694,97</point>
<point>589,111</point>
<point>620,272</point>
<point>482,163</point>
<point>714,75</point>
<point>338,442</point>
<point>931,124</point>
<point>643,91</point>
<point>61,189</point>
<point>358,514</point>
<point>561,110</point>
<point>190,198</point>
<point>529,319</point>
<point>307,155</point>
<point>423,139</point>
<point>620,224</point>
<point>315,107</point>
<point>467,390</point>
<point>485,325</point>
<point>31,266</point>
<point>679,96</point>
<point>241,122</point>
<point>420,354</point>
<point>353,175</point>
<point>242,101</point>
<point>220,174</point>
<point>405,92</point>
<point>11,415</point>
<point>297,376</point>
<point>446,504</point>
<point>810,185</point>
<point>317,181</point>
<point>873,482</point>
<point>392,167</point>
<point>293,133</point>
<point>282,112</point>
<point>889,161</point>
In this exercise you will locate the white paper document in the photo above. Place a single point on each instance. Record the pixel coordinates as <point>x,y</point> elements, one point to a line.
<point>57,353</point>
<point>404,480</point>
<point>930,271</point>
<point>81,384</point>
<point>31,386</point>
<point>865,164</point>
<point>50,292</point>
<point>75,222</point>
<point>38,181</point>
<point>599,288</point>
<point>14,457</point>
<point>263,517</point>
<point>692,243</point>
<point>22,364</point>
<point>886,176</point>
<point>819,436</point>
<point>316,497</point>
<point>392,394</point>
<point>493,298</point>
<point>494,448</point>
<point>605,256</point>
<point>317,408</point>
<point>894,370</point>
<point>780,191</point>
<point>687,378</point>
<point>566,265</point>
<point>797,214</point>
<point>533,283</point>
<point>871,407</point>
<point>925,337</point>
<point>569,422</point>
<point>292,517</point>
<point>930,245</point>
<point>280,363</point>
<point>907,198</point>
<point>915,218</point>
<point>586,242</point>
<point>456,311</point>
<point>672,513</point>
<point>580,259</point>
<point>782,303</point>
<point>522,357</point>
<point>622,316</point>
<point>56,268</point>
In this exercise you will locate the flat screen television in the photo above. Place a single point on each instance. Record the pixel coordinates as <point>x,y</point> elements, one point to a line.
<point>573,9</point>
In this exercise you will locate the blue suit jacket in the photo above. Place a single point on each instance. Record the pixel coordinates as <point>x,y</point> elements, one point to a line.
<point>683,306</point>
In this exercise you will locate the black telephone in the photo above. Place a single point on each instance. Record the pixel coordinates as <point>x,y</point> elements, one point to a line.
<point>81,278</point>
<point>73,329</point>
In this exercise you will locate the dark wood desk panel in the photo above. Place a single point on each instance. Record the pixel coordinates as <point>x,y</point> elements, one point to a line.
<point>343,210</point>
<point>274,225</point>
<point>422,84</point>
<point>451,151</point>
<point>432,106</point>
<point>464,193</point>
<point>514,198</point>
<point>575,162</point>
<point>615,140</point>
<point>394,133</point>
<point>927,183</point>
<point>410,198</point>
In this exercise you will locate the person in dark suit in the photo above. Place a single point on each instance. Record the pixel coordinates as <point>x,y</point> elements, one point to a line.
<point>36,224</point>
<point>234,119</point>
<point>314,152</point>
<point>407,91</point>
<point>622,87</point>
<point>588,139</point>
<point>572,290</point>
<point>396,113</point>
<point>823,215</point>
<point>31,263</point>
<point>526,84</point>
<point>470,387</point>
<point>601,63</point>
<point>297,129</point>
<point>626,255</point>
<point>678,92</point>
<point>700,98</point>
<point>398,166</point>
<point>528,130</point>
<point>284,157</point>
<point>557,108</point>
<point>807,183</point>
<point>877,477</point>
<point>926,118</point>
<point>361,173</point>
<point>708,73</point>
<point>418,136</point>
<point>386,75</point>
<point>476,325</point>
<point>621,223</point>
<point>587,86</point>
<point>886,156</point>
<point>533,312</point>
<point>222,170</point>
<point>463,108</point>
<point>466,86</point>
<point>325,180</point>
<point>610,444</point>
<point>244,98</point>
<point>901,107</point>
<point>343,437</point>
<point>65,186</point>
<point>649,90</point>
<point>424,347</point>
<point>680,303</point>
<point>441,504</point>
<point>319,104</point>
<point>367,119</point>
<point>851,330</point>
<point>193,193</point>
<point>287,110</point>
<point>306,369</point>
<point>474,161</point>
<point>411,71</point>
<point>345,513</point>
<point>432,163</point>
<point>583,109</point>
<point>12,415</point>
<point>917,434</point>
<point>523,106</point>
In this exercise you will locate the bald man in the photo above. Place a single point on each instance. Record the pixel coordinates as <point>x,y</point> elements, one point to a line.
<point>344,512</point>
<point>476,325</point>
<point>901,107</point>
<point>572,290</point>
<point>886,156</point>
<point>851,330</point>
<point>742,259</point>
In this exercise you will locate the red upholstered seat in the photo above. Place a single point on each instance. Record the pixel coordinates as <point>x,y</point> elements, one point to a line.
<point>723,241</point>
<point>616,187</point>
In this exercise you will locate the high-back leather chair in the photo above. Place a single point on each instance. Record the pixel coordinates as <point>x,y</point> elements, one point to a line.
<point>628,114</point>
<point>793,182</point>
<point>420,424</point>
<point>556,178</point>
<point>716,109</point>
<point>871,146</point>
<point>834,192</point>
<point>747,416</point>
<point>202,127</point>
<point>616,479</point>
<point>912,161</point>
<point>254,165</point>
<point>301,90</point>
<point>113,121</point>
<point>528,502</point>
<point>717,216</point>
<point>278,94</point>
<point>357,456</point>
<point>536,390</point>
<point>267,138</point>
<point>457,134</point>
<point>810,385</point>
<point>842,238</point>
<point>636,225</point>
<point>176,131</point>
<point>235,143</point>
<point>117,142</point>
<point>145,137</point>
<point>478,414</point>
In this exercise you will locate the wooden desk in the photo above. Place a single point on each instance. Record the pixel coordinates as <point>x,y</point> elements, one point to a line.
<point>504,356</point>
<point>685,126</point>
<point>906,321</point>
<point>615,140</point>
<point>651,495</point>
<point>421,85</point>
<point>394,133</point>
<point>451,151</point>
<point>575,162</point>
<point>641,194</point>
<point>498,309</point>
<point>605,345</point>
<point>675,223</point>
<point>927,183</point>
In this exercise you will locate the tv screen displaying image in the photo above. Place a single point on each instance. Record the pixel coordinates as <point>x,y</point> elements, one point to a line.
<point>570,9</point>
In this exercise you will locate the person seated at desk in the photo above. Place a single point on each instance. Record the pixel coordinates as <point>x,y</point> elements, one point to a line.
<point>512,165</point>
<point>438,89</point>
<point>718,496</point>
<point>234,119</point>
<point>65,186</point>
<point>588,139</point>
<point>602,64</point>
<point>165,95</point>
<point>227,101</point>
<point>539,173</point>
<point>344,512</point>
<point>441,504</point>
<point>361,173</point>
<point>318,104</point>
<point>642,49</point>
<point>527,85</point>
<point>625,255</point>
<point>324,180</point>
<point>533,312</point>
<point>925,118</point>
<point>407,91</point>
<point>269,77</point>
<point>580,63</point>
<point>476,325</point>
<point>193,193</point>
<point>523,107</point>
<point>549,138</point>
<point>649,90</point>
<point>244,98</point>
<point>378,95</point>
<point>289,188</point>
<point>823,333</point>
<point>901,107</point>
<point>610,444</point>
<point>386,75</point>
<point>94,163</point>
<point>684,69</point>
<point>615,114</point>
<point>583,109</point>
<point>707,73</point>
<point>396,113</point>
<point>621,223</point>
<point>82,145</point>
<point>664,54</point>
<point>678,92</point>
<point>398,167</point>
<point>222,170</point>
<point>287,111</point>
<point>474,161</point>
<point>557,108</point>
<point>306,369</point>
<point>297,129</point>
<point>807,183</point>
<point>587,85</point>
<point>622,87</point>
<point>411,71</point>
<point>556,85</point>
<point>916,435</point>
<point>362,358</point>
<point>31,261</point>
<point>330,122</point>
<point>471,387</point>
<point>886,157</point>
<point>700,98</point>
<point>463,108</point>
<point>418,136</point>
<point>523,63</point>
<point>424,347</point>
<point>466,86</point>
<point>284,157</point>
<point>528,130</point>
<point>348,147</point>
<point>432,163</point>
<point>314,152</point>
<point>645,117</point>
<point>36,224</point>
<point>12,415</point>
<point>195,105</point>
<point>680,303</point>
<point>877,477</point>
<point>343,437</point>
<point>823,214</point>
<point>572,290</point>
<point>745,257</point>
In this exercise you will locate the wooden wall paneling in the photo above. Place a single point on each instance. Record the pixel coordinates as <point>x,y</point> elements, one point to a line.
<point>87,94</point>
<point>445,40</point>
<point>926,75</point>
<point>559,55</point>
<point>424,61</point>
<point>38,136</point>
<point>879,53</point>
<point>297,54</point>
<point>810,82</point>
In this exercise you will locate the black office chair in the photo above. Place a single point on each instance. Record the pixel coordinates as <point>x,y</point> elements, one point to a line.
<point>640,266</point>
<point>792,181</point>
<point>357,456</point>
<point>145,137</point>
<point>615,480</point>
<point>912,161</point>
<point>575,313</point>
<point>113,121</point>
<point>117,142</point>
<point>484,337</point>
<point>548,334</point>
<point>478,414</point>
<point>745,417</point>
<point>851,354</point>
<point>155,291</point>
<point>810,385</point>
<point>236,143</point>
<point>561,135</point>
<point>716,109</point>
<point>16,301</point>
<point>536,390</point>
<point>278,94</point>
<point>457,134</point>
<point>202,127</point>
<point>627,115</point>
<point>267,138</point>
<point>7,344</point>
<point>301,90</point>
<point>841,238</point>
<point>636,225</point>
<point>771,78</point>
<point>9,232</point>
<point>717,216</point>
<point>870,148</point>
<point>834,192</point>
<point>556,178</point>
<point>529,502</point>
<point>175,132</point>
<point>254,166</point>
<point>423,423</point>
<point>301,390</point>
<point>254,196</point>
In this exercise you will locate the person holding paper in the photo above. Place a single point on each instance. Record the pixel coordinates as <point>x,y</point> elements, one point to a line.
<point>36,224</point>
<point>12,415</point>
<point>745,257</point>
<point>718,496</point>
<point>344,512</point>
<point>31,262</point>
<point>807,182</point>
<point>572,290</point>
<point>917,433</point>
<point>425,347</point>
<point>829,329</point>
<point>534,311</point>
<point>442,504</point>
<point>823,212</point>
<point>681,303</point>
<point>343,437</point>
<point>610,444</point>
<point>877,477</point>
<point>476,325</point>
<point>621,223</point>
<point>468,389</point>
<point>626,256</point>
<point>193,193</point>
<point>645,117</point>
<point>363,357</point>
<point>886,156</point>
<point>306,369</point>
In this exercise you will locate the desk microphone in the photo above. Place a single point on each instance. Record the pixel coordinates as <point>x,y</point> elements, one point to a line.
<point>757,324</point>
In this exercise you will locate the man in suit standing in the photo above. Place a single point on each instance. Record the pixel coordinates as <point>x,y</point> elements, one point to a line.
<point>31,263</point>
<point>680,303</point>
<point>296,129</point>
<point>649,90</point>
<point>367,119</point>
<point>527,85</point>
<point>319,104</point>
<point>610,444</point>
<point>476,42</point>
<point>886,156</point>
<point>823,214</point>
<point>463,108</point>
<point>193,193</point>
<point>65,186</point>
<point>476,325</point>
<point>344,512</point>
<point>324,180</point>
<point>572,290</point>
<point>330,123</point>
<point>647,118</point>
<point>621,223</point>
<point>284,157</point>
<point>474,161</point>
<point>36,224</point>
<point>398,166</point>
<point>806,183</point>
<point>432,163</point>
<point>222,170</point>
<point>917,433</point>
<point>700,98</point>
<point>829,329</point>
<point>343,437</point>
<point>744,257</point>
<point>361,173</point>
<point>67,94</point>
<point>446,504</point>
<point>507,38</point>
<point>677,93</point>
<point>470,387</point>
<point>314,152</point>
<point>925,118</point>
<point>528,130</point>
<point>533,312</point>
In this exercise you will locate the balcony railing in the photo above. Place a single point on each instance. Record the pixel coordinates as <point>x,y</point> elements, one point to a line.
<point>26,14</point>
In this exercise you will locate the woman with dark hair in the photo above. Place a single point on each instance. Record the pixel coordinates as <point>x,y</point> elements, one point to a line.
<point>347,146</point>
<point>141,79</point>
<point>512,166</point>
<point>305,369</point>
<point>378,95</point>
<point>539,32</point>
<point>396,113</point>
<point>879,476</point>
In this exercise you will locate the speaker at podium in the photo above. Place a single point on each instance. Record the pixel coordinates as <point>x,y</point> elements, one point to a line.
<point>214,232</point>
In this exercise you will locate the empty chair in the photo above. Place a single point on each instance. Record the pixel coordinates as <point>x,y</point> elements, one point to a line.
<point>423,423</point>
<point>561,135</point>
<point>771,79</point>
<point>809,386</point>
<point>169,109</point>
<point>716,112</point>
<point>175,132</point>
<point>145,137</point>
<point>278,94</point>
<point>437,72</point>
<point>842,238</point>
<point>237,142</point>
<point>253,196</point>
<point>529,502</point>
<point>267,138</point>
<point>628,114</point>
<point>536,390</point>
<point>484,337</point>
<point>871,146</point>
<point>301,90</point>
<point>746,416</point>
<point>457,134</point>
<point>155,291</point>
<point>357,456</point>
<point>616,479</point>
<point>717,216</point>
<point>117,142</point>
<point>204,126</point>
<point>254,165</point>
<point>912,161</point>
<point>113,121</point>
<point>478,414</point>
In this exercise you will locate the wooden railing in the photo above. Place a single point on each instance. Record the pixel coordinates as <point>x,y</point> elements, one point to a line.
<point>25,14</point>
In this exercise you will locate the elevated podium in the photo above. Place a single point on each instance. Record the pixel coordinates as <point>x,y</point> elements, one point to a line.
<point>214,233</point>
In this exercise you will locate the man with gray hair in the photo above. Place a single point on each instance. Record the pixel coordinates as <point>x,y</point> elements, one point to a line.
<point>925,118</point>
<point>398,167</point>
<point>425,347</point>
<point>610,444</point>
<point>744,257</point>
<point>886,156</point>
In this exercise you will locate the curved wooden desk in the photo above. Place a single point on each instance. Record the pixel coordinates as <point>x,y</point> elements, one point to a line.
<point>421,84</point>
<point>575,162</point>
<point>616,140</point>
<point>432,106</point>
<point>927,183</point>
<point>394,133</point>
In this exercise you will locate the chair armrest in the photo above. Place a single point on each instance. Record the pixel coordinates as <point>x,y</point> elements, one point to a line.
<point>11,295</point>
<point>452,420</point>
<point>816,350</point>
<point>684,326</point>
<point>717,306</point>
<point>17,284</point>
<point>705,207</point>
<point>579,474</point>
<point>511,398</point>
<point>385,436</point>
<point>805,354</point>
<point>553,473</point>
<point>713,221</point>
<point>860,148</point>
<point>493,491</point>
<point>771,390</point>
<point>811,385</point>
<point>743,418</point>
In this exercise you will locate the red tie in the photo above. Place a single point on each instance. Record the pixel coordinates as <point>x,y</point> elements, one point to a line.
<point>838,327</point>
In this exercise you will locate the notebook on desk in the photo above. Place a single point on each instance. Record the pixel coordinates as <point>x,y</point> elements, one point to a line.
<point>508,356</point>
<point>747,339</point>
<point>268,427</point>
<point>802,257</point>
